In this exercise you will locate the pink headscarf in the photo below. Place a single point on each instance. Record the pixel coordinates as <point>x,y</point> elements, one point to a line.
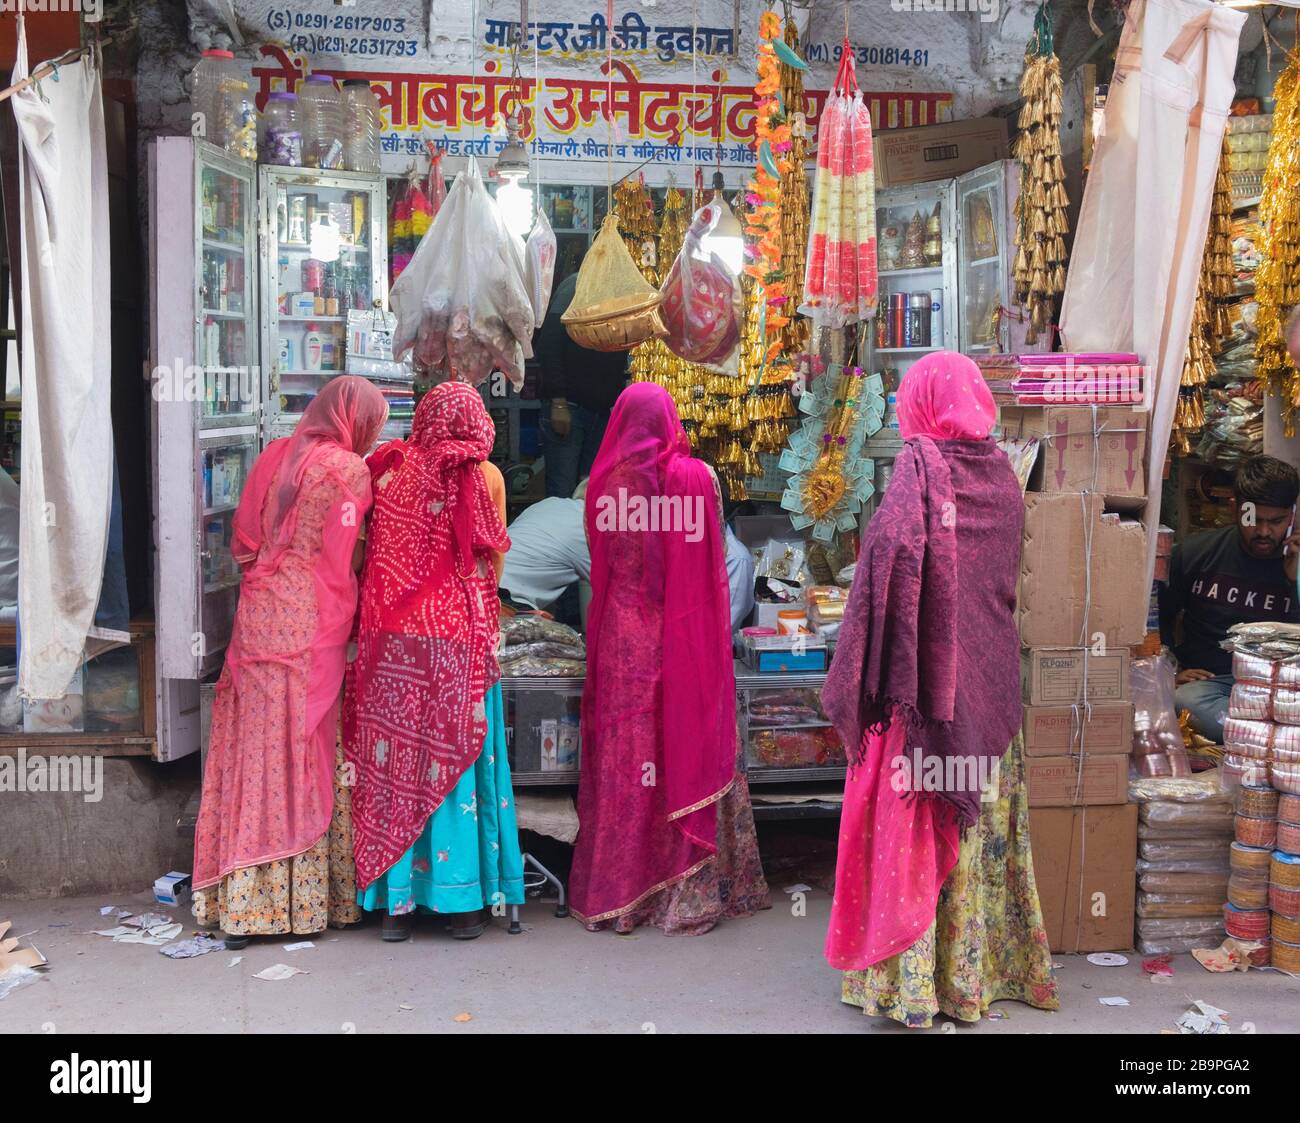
<point>944,397</point>
<point>348,412</point>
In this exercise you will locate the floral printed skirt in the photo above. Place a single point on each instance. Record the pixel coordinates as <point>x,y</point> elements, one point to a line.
<point>729,885</point>
<point>299,895</point>
<point>987,941</point>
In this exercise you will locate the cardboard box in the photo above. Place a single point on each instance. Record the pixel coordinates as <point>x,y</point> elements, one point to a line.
<point>1084,862</point>
<point>1055,676</point>
<point>1080,452</point>
<point>1065,536</point>
<point>938,151</point>
<point>1073,781</point>
<point>1058,730</point>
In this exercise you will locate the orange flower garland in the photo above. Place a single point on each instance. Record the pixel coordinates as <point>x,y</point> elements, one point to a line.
<point>772,143</point>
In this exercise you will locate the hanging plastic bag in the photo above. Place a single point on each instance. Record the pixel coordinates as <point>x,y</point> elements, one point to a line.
<point>701,307</point>
<point>539,266</point>
<point>462,308</point>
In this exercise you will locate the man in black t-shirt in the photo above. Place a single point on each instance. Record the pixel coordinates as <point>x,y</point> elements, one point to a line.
<point>1223,577</point>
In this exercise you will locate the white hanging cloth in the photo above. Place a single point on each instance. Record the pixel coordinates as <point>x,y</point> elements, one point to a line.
<point>67,436</point>
<point>1137,252</point>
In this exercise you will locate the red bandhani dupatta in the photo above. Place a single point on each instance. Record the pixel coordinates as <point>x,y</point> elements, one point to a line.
<point>414,715</point>
<point>661,609</point>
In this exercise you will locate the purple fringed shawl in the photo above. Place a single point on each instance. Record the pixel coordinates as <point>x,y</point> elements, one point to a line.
<point>929,636</point>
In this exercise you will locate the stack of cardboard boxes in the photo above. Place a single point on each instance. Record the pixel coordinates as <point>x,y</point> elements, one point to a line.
<point>1083,605</point>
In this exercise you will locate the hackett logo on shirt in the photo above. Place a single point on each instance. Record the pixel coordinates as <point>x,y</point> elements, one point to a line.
<point>1221,588</point>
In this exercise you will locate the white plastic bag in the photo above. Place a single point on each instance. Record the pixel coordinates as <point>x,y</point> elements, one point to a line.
<point>461,304</point>
<point>539,266</point>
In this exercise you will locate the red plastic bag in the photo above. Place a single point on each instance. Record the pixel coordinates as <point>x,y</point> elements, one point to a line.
<point>701,306</point>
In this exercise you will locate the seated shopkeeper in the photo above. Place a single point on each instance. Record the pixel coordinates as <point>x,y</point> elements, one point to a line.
<point>1218,578</point>
<point>549,553</point>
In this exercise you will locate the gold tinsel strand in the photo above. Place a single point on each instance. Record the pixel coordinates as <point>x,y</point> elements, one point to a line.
<point>1208,317</point>
<point>1041,223</point>
<point>636,223</point>
<point>1279,215</point>
<point>794,201</point>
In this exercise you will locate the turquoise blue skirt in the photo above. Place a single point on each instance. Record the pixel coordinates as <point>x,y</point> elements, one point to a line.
<point>468,855</point>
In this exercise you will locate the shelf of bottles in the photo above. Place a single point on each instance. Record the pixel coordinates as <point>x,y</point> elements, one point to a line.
<point>323,257</point>
<point>226,298</point>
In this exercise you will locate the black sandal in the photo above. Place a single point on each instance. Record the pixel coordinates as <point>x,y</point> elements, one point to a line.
<point>470,927</point>
<point>395,929</point>
<point>234,943</point>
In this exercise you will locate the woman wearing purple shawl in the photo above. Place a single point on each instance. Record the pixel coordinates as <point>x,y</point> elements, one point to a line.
<point>935,905</point>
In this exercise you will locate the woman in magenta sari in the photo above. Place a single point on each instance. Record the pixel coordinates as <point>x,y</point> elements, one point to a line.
<point>273,847</point>
<point>935,907</point>
<point>666,835</point>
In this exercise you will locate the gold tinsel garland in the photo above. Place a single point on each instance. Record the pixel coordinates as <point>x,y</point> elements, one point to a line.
<point>1211,322</point>
<point>1041,221</point>
<point>794,200</point>
<point>1277,281</point>
<point>636,223</point>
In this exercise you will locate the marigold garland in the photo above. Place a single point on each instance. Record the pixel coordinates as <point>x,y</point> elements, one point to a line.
<point>763,226</point>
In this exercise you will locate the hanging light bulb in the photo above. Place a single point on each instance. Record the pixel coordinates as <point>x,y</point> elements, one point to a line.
<point>727,238</point>
<point>511,170</point>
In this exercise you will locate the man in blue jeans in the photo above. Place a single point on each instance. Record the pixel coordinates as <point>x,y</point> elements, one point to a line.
<point>1243,572</point>
<point>579,387</point>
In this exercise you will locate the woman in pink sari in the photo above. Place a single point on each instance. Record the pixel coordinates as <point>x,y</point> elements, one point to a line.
<point>666,835</point>
<point>273,847</point>
<point>935,907</point>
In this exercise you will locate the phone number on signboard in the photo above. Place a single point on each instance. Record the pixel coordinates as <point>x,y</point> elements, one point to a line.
<point>287,20</point>
<point>869,56</point>
<point>313,44</point>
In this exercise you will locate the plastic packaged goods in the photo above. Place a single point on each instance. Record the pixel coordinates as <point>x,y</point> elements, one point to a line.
<point>1170,906</point>
<point>1288,807</point>
<point>1247,894</point>
<point>702,306</point>
<point>360,127</point>
<point>1285,777</point>
<point>1261,735</point>
<point>1257,801</point>
<point>1284,900</point>
<point>1284,870</point>
<point>1255,832</point>
<point>1284,754</point>
<point>769,708</point>
<point>462,308</point>
<point>546,668</point>
<point>1176,945</point>
<point>539,265</point>
<point>1193,886</point>
<point>528,628</point>
<point>1159,851</point>
<point>1207,818</point>
<point>1286,956</point>
<point>540,649</point>
<point>1288,837</point>
<point>1238,769</point>
<point>322,122</point>
<point>280,140</point>
<point>1251,701</point>
<point>1204,787</point>
<point>1249,861</point>
<point>795,748</point>
<point>1247,667</point>
<point>1194,863</point>
<point>1245,924</point>
<point>1285,928</point>
<point>1155,716</point>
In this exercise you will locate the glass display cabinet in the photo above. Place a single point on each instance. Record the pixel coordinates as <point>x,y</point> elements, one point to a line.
<point>324,254</point>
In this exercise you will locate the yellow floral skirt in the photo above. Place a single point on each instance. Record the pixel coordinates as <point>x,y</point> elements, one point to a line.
<point>300,895</point>
<point>987,942</point>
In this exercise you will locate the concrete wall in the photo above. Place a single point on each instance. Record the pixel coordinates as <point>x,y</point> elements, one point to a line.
<point>57,844</point>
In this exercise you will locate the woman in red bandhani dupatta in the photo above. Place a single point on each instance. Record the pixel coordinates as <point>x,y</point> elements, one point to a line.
<point>666,835</point>
<point>935,906</point>
<point>273,847</point>
<point>433,810</point>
